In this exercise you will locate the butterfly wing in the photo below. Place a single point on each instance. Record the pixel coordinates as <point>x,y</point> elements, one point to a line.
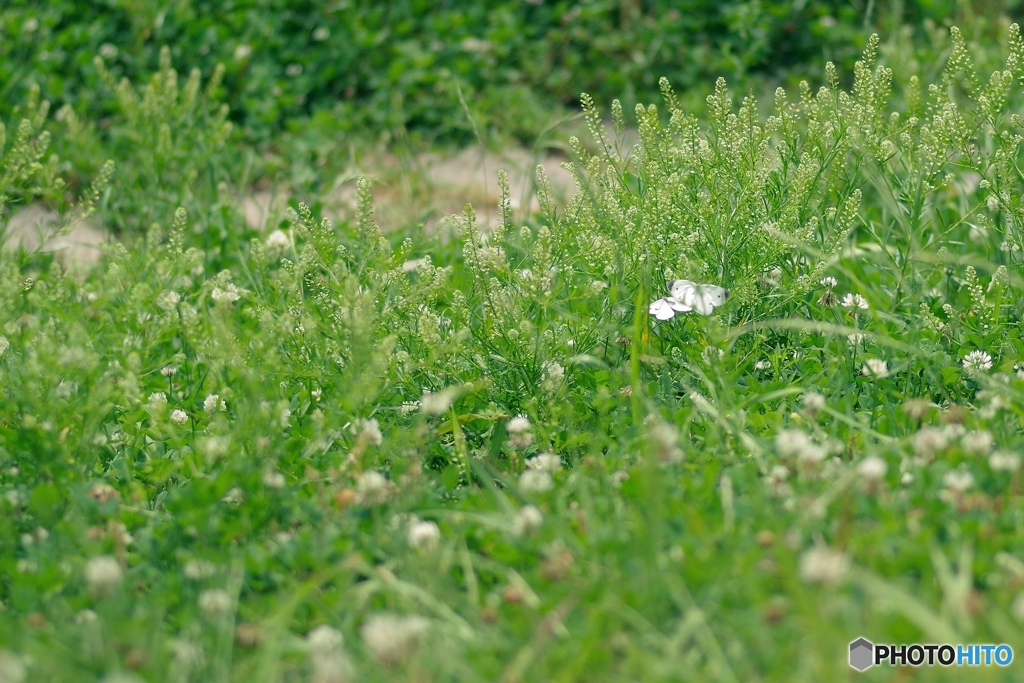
<point>707,297</point>
<point>682,291</point>
<point>677,305</point>
<point>687,295</point>
<point>661,309</point>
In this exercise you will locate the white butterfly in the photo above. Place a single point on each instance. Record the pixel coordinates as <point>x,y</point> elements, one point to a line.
<point>664,309</point>
<point>688,296</point>
<point>701,298</point>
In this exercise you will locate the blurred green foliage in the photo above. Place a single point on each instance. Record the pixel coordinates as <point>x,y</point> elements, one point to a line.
<point>397,67</point>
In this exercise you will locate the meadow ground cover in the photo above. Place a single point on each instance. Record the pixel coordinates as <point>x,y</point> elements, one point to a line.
<point>326,453</point>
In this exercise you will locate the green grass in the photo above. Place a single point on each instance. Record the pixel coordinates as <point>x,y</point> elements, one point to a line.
<point>474,456</point>
<point>368,69</point>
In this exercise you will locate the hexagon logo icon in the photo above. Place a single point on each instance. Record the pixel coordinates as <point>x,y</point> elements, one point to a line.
<point>861,651</point>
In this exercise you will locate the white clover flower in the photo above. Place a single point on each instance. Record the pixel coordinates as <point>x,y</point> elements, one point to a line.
<point>994,405</point>
<point>278,243</point>
<point>790,442</point>
<point>535,481</point>
<point>823,565</point>
<point>1004,461</point>
<point>157,399</point>
<point>977,361</point>
<point>215,603</point>
<point>437,402</point>
<point>372,488</point>
<point>762,365</point>
<point>954,431</point>
<point>423,535</point>
<point>169,371</point>
<point>102,573</point>
<point>197,570</point>
<point>665,440</point>
<point>930,440</point>
<point>119,531</point>
<point>234,497</point>
<point>813,402</point>
<point>813,453</point>
<point>102,492</point>
<point>549,462</point>
<point>872,468</point>
<point>211,403</point>
<point>38,536</point>
<point>829,282</point>
<point>958,480</point>
<point>82,618</point>
<point>273,479</point>
<point>179,416</point>
<point>327,655</point>
<point>977,443</point>
<point>875,367</point>
<point>917,408</point>
<point>324,639</point>
<point>855,338</point>
<point>186,655</point>
<point>519,432</point>
<point>855,301</point>
<point>369,431</point>
<point>518,425</point>
<point>552,371</point>
<point>778,474</point>
<point>793,443</point>
<point>332,668</point>
<point>527,520</point>
<point>393,638</point>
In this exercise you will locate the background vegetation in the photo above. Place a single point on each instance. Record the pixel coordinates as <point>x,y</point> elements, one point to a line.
<point>324,452</point>
<point>397,68</point>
